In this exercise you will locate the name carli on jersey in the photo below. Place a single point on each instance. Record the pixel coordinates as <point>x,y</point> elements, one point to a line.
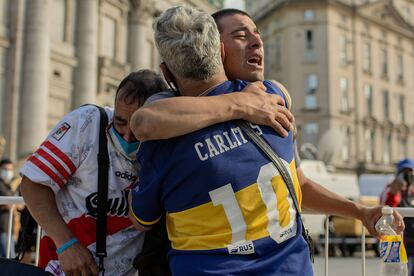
<point>223,142</point>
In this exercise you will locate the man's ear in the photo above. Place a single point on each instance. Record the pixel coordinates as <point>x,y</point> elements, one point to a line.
<point>222,52</point>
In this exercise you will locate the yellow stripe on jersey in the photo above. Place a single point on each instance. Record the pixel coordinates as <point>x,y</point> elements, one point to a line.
<point>206,227</point>
<point>296,183</point>
<point>254,212</point>
<point>282,202</point>
<point>145,223</point>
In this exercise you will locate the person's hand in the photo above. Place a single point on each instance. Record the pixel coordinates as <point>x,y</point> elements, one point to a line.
<point>266,109</point>
<point>399,225</point>
<point>78,260</point>
<point>370,216</point>
<point>397,185</point>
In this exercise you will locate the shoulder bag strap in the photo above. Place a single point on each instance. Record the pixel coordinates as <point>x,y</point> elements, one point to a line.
<point>103,170</point>
<point>27,236</point>
<point>264,146</point>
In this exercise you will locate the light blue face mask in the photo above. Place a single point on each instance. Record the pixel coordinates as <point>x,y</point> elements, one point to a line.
<point>127,147</point>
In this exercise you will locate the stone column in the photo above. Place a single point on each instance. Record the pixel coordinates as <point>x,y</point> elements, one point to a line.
<point>13,83</point>
<point>140,19</point>
<point>35,81</point>
<point>86,73</point>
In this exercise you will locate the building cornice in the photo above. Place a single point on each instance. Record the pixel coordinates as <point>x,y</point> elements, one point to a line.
<point>403,130</point>
<point>142,11</point>
<point>111,68</point>
<point>355,10</point>
<point>120,4</point>
<point>205,5</point>
<point>270,7</point>
<point>370,122</point>
<point>406,30</point>
<point>387,126</point>
<point>63,59</point>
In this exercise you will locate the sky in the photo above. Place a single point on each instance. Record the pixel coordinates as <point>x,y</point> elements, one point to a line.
<point>238,4</point>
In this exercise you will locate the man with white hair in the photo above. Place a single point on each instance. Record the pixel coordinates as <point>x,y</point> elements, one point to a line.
<point>164,116</point>
<point>228,209</point>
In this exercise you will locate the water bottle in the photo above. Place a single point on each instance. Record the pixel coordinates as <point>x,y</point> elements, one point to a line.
<point>394,257</point>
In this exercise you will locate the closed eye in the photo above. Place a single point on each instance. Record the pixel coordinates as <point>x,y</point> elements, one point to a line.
<point>120,121</point>
<point>240,35</point>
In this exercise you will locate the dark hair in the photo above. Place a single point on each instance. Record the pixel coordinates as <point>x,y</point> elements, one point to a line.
<point>227,12</point>
<point>5,161</point>
<point>140,85</point>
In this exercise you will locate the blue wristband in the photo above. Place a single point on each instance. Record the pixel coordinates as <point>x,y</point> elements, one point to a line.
<point>66,245</point>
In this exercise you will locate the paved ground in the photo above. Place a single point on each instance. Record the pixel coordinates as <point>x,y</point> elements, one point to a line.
<point>351,266</point>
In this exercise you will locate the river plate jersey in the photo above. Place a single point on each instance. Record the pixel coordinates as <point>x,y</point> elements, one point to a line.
<point>67,163</point>
<point>228,209</point>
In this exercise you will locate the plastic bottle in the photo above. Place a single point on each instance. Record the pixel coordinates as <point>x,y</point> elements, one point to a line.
<point>394,257</point>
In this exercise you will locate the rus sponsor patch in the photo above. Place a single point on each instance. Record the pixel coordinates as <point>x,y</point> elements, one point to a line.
<point>61,131</point>
<point>241,248</point>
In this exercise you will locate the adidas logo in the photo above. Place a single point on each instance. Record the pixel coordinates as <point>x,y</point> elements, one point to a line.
<point>126,175</point>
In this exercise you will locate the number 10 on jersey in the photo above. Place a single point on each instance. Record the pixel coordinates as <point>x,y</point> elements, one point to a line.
<point>266,179</point>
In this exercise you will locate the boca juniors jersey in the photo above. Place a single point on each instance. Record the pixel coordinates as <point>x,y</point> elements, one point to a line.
<point>228,209</point>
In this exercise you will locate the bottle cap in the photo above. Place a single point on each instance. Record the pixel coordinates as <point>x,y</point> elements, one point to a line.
<point>387,210</point>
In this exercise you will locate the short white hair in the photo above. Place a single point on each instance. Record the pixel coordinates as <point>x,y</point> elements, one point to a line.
<point>188,42</point>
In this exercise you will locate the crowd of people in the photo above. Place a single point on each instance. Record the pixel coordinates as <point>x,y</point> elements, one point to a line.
<point>179,162</point>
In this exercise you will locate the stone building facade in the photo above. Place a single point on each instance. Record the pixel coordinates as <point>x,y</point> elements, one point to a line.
<point>56,55</point>
<point>349,65</point>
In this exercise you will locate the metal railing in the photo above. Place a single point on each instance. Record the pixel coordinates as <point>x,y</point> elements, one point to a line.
<point>13,200</point>
<point>405,212</point>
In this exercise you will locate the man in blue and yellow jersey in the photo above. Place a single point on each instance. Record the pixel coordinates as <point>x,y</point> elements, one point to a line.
<point>165,116</point>
<point>228,208</point>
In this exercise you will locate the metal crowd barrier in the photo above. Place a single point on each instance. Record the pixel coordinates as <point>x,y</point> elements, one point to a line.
<point>405,212</point>
<point>13,200</point>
